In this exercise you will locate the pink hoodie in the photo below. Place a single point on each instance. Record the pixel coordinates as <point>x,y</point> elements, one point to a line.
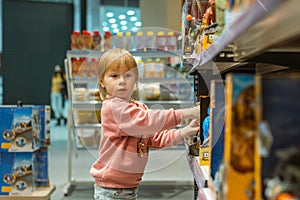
<point>124,125</point>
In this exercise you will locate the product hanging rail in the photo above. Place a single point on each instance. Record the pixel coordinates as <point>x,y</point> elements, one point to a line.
<point>238,23</point>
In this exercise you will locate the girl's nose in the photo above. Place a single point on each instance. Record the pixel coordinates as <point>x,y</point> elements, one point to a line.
<point>122,79</point>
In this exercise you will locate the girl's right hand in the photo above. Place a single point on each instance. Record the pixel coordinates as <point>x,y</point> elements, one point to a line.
<point>191,113</point>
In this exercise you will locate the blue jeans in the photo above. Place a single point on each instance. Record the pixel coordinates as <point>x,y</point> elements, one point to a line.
<point>56,104</point>
<point>101,193</point>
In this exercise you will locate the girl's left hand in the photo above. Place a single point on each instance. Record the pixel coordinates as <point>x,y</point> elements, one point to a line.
<point>191,129</point>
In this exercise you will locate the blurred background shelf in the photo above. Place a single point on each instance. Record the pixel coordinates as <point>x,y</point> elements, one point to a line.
<point>40,194</point>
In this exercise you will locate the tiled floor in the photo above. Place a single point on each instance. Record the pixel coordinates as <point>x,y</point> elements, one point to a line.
<point>167,175</point>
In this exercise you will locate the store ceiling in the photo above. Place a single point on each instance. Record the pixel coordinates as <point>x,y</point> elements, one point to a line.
<point>119,18</point>
<point>129,3</point>
<point>53,1</point>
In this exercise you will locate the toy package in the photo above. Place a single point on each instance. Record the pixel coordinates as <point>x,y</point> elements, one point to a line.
<point>191,17</point>
<point>43,116</point>
<point>16,175</point>
<point>204,113</point>
<point>23,154</point>
<point>203,21</point>
<point>279,125</point>
<point>24,129</point>
<point>240,133</point>
<point>23,172</point>
<point>20,130</point>
<point>204,150</point>
<point>217,122</point>
<point>41,172</point>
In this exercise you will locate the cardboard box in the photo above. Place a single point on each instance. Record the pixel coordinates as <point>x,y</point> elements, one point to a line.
<point>41,170</point>
<point>217,125</point>
<point>24,129</point>
<point>240,148</point>
<point>23,172</point>
<point>20,129</point>
<point>43,114</point>
<point>204,106</point>
<point>204,156</point>
<point>16,175</point>
<point>279,125</point>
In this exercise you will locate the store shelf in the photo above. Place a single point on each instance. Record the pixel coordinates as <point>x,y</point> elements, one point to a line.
<point>201,173</point>
<point>238,23</point>
<point>206,194</point>
<point>87,105</point>
<point>77,80</point>
<point>278,32</point>
<point>167,80</point>
<point>201,176</point>
<point>264,38</point>
<point>96,105</point>
<point>168,104</point>
<point>150,53</point>
<point>39,194</point>
<point>91,83</point>
<point>87,126</point>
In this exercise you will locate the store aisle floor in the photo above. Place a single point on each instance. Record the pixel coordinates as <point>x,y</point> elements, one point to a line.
<point>58,169</point>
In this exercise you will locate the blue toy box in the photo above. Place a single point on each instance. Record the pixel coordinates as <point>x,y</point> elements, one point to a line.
<point>23,172</point>
<point>41,173</point>
<point>24,129</point>
<point>16,175</point>
<point>217,124</point>
<point>43,116</point>
<point>19,129</point>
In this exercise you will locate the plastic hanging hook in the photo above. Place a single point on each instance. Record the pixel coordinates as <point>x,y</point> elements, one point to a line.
<point>265,138</point>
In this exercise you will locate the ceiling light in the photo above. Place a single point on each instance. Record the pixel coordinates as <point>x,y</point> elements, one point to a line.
<point>122,16</point>
<point>130,12</point>
<point>134,29</point>
<point>123,22</point>
<point>105,29</point>
<point>124,28</point>
<point>138,23</point>
<point>104,24</point>
<point>112,20</point>
<point>109,14</point>
<point>116,30</point>
<point>114,25</point>
<point>133,18</point>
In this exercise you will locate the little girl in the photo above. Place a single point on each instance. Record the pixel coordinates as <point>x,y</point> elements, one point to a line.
<point>130,128</point>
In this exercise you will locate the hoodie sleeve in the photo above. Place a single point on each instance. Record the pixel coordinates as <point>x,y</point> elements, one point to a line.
<point>166,138</point>
<point>137,120</point>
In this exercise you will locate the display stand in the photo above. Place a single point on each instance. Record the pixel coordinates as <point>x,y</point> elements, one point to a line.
<point>250,34</point>
<point>39,194</point>
<point>88,105</point>
<point>72,182</point>
<point>201,178</point>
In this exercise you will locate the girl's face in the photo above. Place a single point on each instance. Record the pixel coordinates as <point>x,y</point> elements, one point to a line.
<point>119,82</point>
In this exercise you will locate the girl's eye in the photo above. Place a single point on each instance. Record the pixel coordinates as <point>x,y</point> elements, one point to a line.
<point>114,75</point>
<point>128,75</point>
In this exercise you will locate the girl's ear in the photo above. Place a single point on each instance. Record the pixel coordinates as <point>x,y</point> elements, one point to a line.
<point>136,86</point>
<point>100,82</point>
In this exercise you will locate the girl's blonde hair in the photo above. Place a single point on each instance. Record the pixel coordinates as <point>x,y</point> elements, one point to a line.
<point>114,59</point>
